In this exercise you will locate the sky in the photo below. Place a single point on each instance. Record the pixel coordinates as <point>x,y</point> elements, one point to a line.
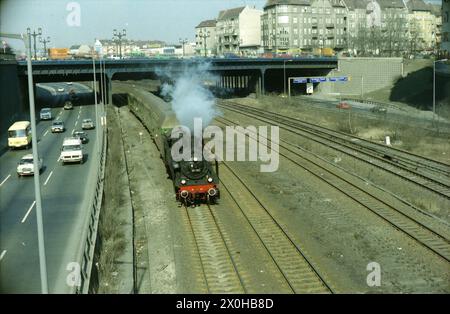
<point>81,21</point>
<point>70,22</point>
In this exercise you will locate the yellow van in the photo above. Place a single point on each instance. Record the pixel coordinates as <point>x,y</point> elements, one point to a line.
<point>19,134</point>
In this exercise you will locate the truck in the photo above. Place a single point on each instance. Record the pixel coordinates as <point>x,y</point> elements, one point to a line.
<point>72,150</point>
<point>58,53</point>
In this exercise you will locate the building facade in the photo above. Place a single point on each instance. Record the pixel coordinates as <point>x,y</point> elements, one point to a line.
<point>423,25</point>
<point>205,38</point>
<point>445,34</point>
<point>238,31</point>
<point>294,26</point>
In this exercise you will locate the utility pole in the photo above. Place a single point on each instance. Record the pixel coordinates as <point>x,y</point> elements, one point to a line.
<point>204,36</point>
<point>26,38</point>
<point>183,42</point>
<point>45,41</point>
<point>119,35</point>
<point>34,34</point>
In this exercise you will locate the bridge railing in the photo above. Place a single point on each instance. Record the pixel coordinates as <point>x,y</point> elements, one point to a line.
<point>88,237</point>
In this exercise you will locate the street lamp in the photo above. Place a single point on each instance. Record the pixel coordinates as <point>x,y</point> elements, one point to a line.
<point>284,75</point>
<point>434,85</point>
<point>34,34</point>
<point>118,35</point>
<point>183,42</point>
<point>44,41</point>
<point>204,36</point>
<point>26,38</point>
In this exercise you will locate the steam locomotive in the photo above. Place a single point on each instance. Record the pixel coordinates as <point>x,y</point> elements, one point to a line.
<point>194,180</point>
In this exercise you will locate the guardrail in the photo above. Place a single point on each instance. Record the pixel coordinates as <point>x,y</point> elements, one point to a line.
<point>86,254</point>
<point>375,103</point>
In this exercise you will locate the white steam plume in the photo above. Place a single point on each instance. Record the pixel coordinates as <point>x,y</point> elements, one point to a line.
<point>190,98</point>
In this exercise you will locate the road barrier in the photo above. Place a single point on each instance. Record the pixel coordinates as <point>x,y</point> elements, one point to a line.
<point>86,253</point>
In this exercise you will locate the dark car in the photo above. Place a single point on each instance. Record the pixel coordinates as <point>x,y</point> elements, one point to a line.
<point>82,136</point>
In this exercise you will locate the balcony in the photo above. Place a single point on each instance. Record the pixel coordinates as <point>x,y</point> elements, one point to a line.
<point>329,25</point>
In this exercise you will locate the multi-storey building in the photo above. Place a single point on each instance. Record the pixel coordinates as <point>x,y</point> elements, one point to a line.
<point>238,31</point>
<point>205,37</point>
<point>293,26</point>
<point>445,34</point>
<point>422,25</point>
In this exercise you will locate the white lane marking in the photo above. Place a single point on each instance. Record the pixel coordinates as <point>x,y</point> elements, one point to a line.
<point>9,175</point>
<point>46,132</point>
<point>59,158</point>
<point>76,122</point>
<point>48,178</point>
<point>28,212</point>
<point>3,254</point>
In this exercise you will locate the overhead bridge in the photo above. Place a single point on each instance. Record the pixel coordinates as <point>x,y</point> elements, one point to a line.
<point>255,74</point>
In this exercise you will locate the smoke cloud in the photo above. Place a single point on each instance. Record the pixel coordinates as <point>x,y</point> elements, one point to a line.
<point>190,98</point>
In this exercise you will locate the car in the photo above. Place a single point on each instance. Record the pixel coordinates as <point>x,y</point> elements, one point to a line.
<point>69,83</point>
<point>379,109</point>
<point>72,150</point>
<point>81,135</point>
<point>60,89</point>
<point>343,105</point>
<point>68,105</point>
<point>25,167</point>
<point>87,124</point>
<point>58,127</point>
<point>45,114</point>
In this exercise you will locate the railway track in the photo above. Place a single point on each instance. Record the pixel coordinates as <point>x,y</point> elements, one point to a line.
<point>220,269</point>
<point>425,230</point>
<point>427,173</point>
<point>300,272</point>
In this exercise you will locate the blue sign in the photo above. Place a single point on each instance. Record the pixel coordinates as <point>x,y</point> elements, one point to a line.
<point>343,79</point>
<point>300,80</point>
<point>315,80</point>
<point>322,79</point>
<point>332,79</point>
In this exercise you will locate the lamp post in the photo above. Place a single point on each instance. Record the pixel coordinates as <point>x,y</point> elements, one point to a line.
<point>434,85</point>
<point>26,38</point>
<point>34,34</point>
<point>274,39</point>
<point>119,35</point>
<point>183,42</point>
<point>45,41</point>
<point>284,75</point>
<point>204,36</point>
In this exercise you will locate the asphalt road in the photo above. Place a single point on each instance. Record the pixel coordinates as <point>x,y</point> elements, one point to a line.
<point>66,197</point>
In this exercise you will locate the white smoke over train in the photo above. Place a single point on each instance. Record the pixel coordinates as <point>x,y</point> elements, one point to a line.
<point>190,97</point>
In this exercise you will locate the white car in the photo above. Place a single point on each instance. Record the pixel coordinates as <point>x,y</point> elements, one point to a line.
<point>72,150</point>
<point>58,127</point>
<point>87,124</point>
<point>60,89</point>
<point>69,83</point>
<point>25,166</point>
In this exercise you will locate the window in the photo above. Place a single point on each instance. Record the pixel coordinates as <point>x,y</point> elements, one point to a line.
<point>284,19</point>
<point>295,20</point>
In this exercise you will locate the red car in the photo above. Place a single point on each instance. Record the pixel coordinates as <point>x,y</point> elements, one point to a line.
<point>343,105</point>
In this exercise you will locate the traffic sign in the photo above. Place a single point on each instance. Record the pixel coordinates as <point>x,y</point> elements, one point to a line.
<point>300,80</point>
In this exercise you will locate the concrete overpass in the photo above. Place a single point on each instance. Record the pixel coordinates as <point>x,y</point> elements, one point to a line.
<point>258,74</point>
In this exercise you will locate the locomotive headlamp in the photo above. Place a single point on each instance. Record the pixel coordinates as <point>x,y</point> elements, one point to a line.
<point>210,179</point>
<point>195,159</point>
<point>183,181</point>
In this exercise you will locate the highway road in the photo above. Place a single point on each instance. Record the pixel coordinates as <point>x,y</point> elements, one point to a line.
<point>67,191</point>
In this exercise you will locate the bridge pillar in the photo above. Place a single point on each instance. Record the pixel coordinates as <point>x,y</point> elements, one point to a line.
<point>263,87</point>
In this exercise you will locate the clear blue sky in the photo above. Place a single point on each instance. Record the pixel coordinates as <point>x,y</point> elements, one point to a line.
<point>166,20</point>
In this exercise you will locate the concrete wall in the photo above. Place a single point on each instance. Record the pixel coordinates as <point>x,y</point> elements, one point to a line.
<point>367,75</point>
<point>12,104</point>
<point>250,27</point>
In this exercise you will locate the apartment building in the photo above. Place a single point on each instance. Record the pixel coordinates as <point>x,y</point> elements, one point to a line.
<point>238,31</point>
<point>445,34</point>
<point>422,25</point>
<point>293,26</point>
<point>205,38</point>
